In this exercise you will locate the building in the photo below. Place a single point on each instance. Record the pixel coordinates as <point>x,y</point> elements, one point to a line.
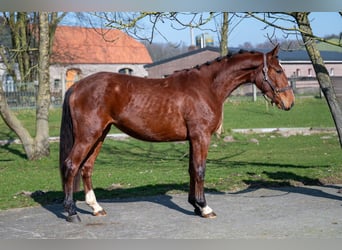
<point>78,52</point>
<point>189,59</point>
<point>298,67</point>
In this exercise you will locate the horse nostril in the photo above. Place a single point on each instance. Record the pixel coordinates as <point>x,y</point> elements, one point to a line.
<point>288,108</point>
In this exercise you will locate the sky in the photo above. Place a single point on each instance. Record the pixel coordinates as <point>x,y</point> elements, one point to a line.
<point>241,30</point>
<point>252,30</point>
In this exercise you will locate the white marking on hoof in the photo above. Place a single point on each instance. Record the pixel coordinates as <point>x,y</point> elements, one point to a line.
<point>206,210</point>
<point>91,201</point>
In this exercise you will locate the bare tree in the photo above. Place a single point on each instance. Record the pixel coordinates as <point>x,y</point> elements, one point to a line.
<point>303,27</point>
<point>40,27</point>
<point>144,25</point>
<point>320,69</point>
<point>223,35</point>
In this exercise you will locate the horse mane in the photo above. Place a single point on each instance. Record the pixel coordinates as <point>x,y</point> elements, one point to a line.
<point>217,59</point>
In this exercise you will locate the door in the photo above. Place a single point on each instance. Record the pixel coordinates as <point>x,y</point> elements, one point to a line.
<point>72,76</point>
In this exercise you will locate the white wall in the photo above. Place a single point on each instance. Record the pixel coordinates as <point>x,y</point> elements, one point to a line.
<point>59,71</point>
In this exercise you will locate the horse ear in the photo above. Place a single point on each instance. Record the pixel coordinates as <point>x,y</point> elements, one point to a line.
<point>274,52</point>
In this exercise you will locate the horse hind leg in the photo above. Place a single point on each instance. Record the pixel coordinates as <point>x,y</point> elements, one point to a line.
<point>74,163</point>
<point>87,182</point>
<point>69,203</point>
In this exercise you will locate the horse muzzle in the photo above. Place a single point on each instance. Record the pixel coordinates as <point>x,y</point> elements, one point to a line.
<point>283,106</point>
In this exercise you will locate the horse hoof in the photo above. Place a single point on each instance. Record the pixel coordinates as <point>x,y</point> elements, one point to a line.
<point>211,215</point>
<point>73,218</point>
<point>100,213</point>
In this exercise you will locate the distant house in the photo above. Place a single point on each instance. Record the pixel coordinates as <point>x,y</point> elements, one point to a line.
<point>163,68</point>
<point>297,66</point>
<point>78,52</point>
<point>295,63</point>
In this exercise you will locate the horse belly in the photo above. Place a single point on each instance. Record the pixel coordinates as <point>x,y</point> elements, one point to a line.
<point>153,125</point>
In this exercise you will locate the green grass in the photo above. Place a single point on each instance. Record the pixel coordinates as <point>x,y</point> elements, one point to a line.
<point>307,112</point>
<point>328,47</point>
<point>141,168</point>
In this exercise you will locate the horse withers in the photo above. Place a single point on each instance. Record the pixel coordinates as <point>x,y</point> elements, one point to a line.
<point>186,105</point>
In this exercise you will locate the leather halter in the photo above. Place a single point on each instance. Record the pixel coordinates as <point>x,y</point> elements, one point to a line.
<point>275,90</point>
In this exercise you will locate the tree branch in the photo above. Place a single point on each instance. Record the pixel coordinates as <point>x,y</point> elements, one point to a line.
<point>295,29</point>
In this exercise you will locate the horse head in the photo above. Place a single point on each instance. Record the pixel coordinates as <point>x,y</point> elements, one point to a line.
<point>272,81</point>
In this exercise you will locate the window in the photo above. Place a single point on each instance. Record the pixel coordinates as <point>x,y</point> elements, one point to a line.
<point>126,71</point>
<point>56,83</point>
<point>9,85</point>
<point>297,72</point>
<point>309,72</point>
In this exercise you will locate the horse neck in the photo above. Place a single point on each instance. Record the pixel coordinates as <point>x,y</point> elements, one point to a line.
<point>235,71</point>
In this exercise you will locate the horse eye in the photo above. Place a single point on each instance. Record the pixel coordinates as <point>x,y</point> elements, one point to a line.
<point>279,71</point>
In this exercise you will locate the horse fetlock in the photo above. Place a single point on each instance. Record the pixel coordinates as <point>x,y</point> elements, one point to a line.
<point>207,212</point>
<point>91,201</point>
<point>70,207</point>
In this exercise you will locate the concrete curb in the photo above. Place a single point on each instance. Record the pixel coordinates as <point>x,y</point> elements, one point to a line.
<point>289,131</point>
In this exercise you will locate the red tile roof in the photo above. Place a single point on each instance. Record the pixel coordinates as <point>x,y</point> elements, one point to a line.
<point>79,45</point>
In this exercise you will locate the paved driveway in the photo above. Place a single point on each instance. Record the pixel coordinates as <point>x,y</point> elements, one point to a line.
<point>292,212</point>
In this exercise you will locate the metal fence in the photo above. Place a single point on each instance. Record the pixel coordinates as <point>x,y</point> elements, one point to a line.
<point>310,85</point>
<point>24,95</point>
<point>337,83</point>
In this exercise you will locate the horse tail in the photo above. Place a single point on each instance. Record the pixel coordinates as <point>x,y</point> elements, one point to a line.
<point>67,142</point>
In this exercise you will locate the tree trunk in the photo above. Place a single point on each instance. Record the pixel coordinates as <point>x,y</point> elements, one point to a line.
<point>11,120</point>
<point>37,147</point>
<point>42,147</point>
<point>20,38</point>
<point>223,52</point>
<point>321,71</point>
<point>224,34</point>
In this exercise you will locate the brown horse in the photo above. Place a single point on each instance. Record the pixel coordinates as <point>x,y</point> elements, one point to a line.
<point>186,105</point>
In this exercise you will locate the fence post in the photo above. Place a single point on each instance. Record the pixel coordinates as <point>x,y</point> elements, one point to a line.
<point>63,85</point>
<point>254,93</point>
<point>293,83</point>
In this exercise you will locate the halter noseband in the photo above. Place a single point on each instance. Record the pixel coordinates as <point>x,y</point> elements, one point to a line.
<point>275,90</point>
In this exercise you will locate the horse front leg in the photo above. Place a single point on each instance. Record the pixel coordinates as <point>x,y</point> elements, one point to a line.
<point>197,166</point>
